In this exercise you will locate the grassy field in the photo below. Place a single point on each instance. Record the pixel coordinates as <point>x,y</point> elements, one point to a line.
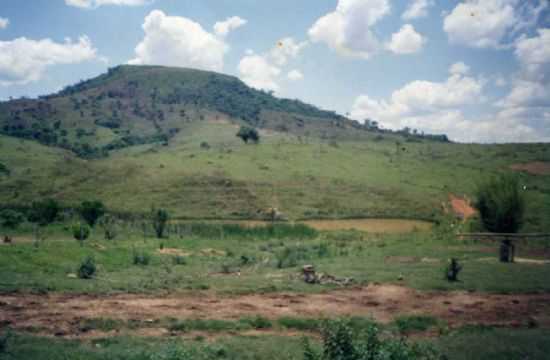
<point>304,179</point>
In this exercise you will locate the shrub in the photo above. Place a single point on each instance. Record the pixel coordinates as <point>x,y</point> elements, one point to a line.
<point>109,225</point>
<point>179,260</point>
<point>11,218</point>
<point>501,204</point>
<point>452,270</point>
<point>141,258</point>
<point>44,212</point>
<point>247,133</point>
<point>341,342</point>
<point>91,211</point>
<point>81,232</point>
<point>160,218</point>
<point>87,268</point>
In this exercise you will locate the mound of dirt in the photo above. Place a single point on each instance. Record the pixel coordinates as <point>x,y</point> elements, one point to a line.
<point>461,207</point>
<point>535,167</point>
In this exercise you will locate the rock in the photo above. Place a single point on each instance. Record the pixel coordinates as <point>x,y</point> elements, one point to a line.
<point>72,276</point>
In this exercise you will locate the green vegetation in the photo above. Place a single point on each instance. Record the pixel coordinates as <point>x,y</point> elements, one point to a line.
<point>81,232</point>
<point>11,219</point>
<point>247,134</point>
<point>44,212</point>
<point>159,218</point>
<point>87,268</point>
<point>91,211</point>
<point>501,204</point>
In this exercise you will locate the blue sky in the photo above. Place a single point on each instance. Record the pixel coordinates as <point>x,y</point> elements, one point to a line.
<point>478,70</point>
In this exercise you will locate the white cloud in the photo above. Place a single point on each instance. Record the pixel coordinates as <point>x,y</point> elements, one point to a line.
<point>348,29</point>
<point>284,49</point>
<point>534,55</point>
<point>295,75</point>
<point>489,23</point>
<point>91,4</point>
<point>459,68</point>
<point>531,88</point>
<point>406,41</point>
<point>263,71</point>
<point>24,60</point>
<point>257,72</point>
<point>417,9</point>
<point>4,23</point>
<point>179,41</point>
<point>222,28</point>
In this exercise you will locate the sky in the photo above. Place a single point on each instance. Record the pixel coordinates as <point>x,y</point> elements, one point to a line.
<point>476,70</point>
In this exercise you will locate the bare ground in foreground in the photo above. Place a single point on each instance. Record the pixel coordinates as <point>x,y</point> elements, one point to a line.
<point>61,314</point>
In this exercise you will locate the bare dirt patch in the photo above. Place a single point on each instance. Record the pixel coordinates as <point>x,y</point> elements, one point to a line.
<point>61,313</point>
<point>535,167</point>
<point>371,225</point>
<point>174,252</point>
<point>461,207</point>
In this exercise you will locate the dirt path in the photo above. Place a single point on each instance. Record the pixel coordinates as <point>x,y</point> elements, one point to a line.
<point>62,313</point>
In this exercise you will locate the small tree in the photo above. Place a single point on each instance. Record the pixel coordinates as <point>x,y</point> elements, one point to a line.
<point>247,133</point>
<point>87,268</point>
<point>91,211</point>
<point>11,219</point>
<point>109,225</point>
<point>44,212</point>
<point>501,206</point>
<point>81,232</point>
<point>160,218</point>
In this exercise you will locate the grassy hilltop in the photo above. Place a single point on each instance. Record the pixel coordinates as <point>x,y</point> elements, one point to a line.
<point>142,136</point>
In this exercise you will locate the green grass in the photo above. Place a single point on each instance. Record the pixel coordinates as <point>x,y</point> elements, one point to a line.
<point>265,265</point>
<point>494,344</point>
<point>415,323</point>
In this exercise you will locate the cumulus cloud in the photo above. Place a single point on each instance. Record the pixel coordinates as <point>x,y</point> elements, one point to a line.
<point>179,41</point>
<point>295,75</point>
<point>417,9</point>
<point>4,23</point>
<point>257,72</point>
<point>263,71</point>
<point>459,68</point>
<point>489,23</point>
<point>406,41</point>
<point>285,49</point>
<point>24,60</point>
<point>531,87</point>
<point>222,28</point>
<point>348,29</point>
<point>91,4</point>
<point>429,106</point>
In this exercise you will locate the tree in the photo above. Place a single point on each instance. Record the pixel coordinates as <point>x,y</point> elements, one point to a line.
<point>108,223</point>
<point>11,219</point>
<point>91,211</point>
<point>44,212</point>
<point>160,218</point>
<point>247,133</point>
<point>81,232</point>
<point>501,206</point>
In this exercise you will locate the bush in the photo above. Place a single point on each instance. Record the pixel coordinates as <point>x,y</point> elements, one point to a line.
<point>257,322</point>
<point>81,232</point>
<point>160,218</point>
<point>179,260</point>
<point>141,258</point>
<point>452,270</point>
<point>109,225</point>
<point>247,133</point>
<point>501,204</point>
<point>91,211</point>
<point>341,342</point>
<point>87,268</point>
<point>11,218</point>
<point>415,323</point>
<point>44,212</point>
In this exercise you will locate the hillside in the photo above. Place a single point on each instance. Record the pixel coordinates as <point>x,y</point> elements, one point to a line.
<point>142,136</point>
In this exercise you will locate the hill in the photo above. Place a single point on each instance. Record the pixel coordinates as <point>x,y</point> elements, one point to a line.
<point>142,136</point>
